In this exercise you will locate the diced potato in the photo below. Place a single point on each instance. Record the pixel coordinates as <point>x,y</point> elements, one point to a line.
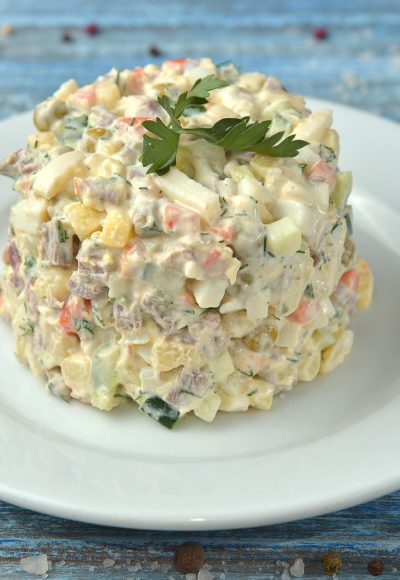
<point>300,213</point>
<point>52,179</point>
<point>313,127</point>
<point>209,293</point>
<point>289,333</point>
<point>260,164</point>
<point>42,139</point>
<point>309,366</point>
<point>221,366</point>
<point>29,215</point>
<point>231,305</point>
<point>283,237</point>
<point>84,220</point>
<point>366,285</point>
<point>108,147</point>
<point>107,94</point>
<point>52,284</point>
<point>257,305</point>
<point>168,354</point>
<point>263,394</point>
<point>76,370</point>
<point>208,407</point>
<point>335,354</point>
<point>66,89</point>
<point>117,230</point>
<point>109,167</point>
<point>331,139</point>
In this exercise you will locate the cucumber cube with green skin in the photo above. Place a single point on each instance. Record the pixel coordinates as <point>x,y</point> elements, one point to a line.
<point>104,366</point>
<point>342,189</point>
<point>161,411</point>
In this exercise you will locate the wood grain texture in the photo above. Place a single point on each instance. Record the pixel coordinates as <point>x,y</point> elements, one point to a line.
<point>359,64</point>
<point>358,535</point>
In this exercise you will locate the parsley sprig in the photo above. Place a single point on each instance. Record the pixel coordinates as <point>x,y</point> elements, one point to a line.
<point>159,150</point>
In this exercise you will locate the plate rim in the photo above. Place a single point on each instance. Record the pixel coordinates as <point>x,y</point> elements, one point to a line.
<point>377,486</point>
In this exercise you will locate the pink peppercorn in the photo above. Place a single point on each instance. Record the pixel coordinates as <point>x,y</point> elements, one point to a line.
<point>91,29</point>
<point>320,33</point>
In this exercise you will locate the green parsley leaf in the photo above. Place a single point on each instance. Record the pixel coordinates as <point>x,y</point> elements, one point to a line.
<point>159,152</point>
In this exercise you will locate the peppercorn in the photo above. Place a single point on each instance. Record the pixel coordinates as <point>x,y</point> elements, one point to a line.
<point>155,51</point>
<point>375,567</point>
<point>320,33</point>
<point>91,29</point>
<point>331,562</point>
<point>189,557</point>
<point>66,36</point>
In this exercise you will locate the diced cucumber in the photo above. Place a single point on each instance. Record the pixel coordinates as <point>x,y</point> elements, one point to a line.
<point>221,366</point>
<point>279,123</point>
<point>104,373</point>
<point>348,216</point>
<point>164,279</point>
<point>342,189</point>
<point>327,153</point>
<point>238,173</point>
<point>161,411</point>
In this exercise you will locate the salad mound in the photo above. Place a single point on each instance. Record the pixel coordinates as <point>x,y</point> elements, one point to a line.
<point>183,239</point>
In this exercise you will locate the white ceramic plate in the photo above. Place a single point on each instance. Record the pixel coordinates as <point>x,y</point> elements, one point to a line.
<point>325,446</point>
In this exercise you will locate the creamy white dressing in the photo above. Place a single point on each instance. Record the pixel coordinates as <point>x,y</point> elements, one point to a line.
<point>212,287</point>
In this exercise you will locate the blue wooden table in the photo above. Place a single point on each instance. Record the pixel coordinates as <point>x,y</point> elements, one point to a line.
<point>343,50</point>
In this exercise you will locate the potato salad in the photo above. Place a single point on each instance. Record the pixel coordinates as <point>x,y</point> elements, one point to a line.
<point>212,285</point>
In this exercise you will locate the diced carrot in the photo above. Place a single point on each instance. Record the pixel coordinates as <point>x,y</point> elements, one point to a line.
<point>136,80</point>
<point>85,97</point>
<point>224,231</point>
<point>177,63</point>
<point>351,279</point>
<point>321,171</point>
<point>307,310</point>
<point>179,219</point>
<point>72,312</point>
<point>212,257</point>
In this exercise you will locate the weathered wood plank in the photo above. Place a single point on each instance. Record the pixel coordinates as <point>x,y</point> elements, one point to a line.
<point>358,535</point>
<point>358,64</point>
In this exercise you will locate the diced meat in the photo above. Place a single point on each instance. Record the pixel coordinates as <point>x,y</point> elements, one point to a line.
<point>57,243</point>
<point>95,263</point>
<point>159,307</point>
<point>9,167</point>
<point>194,383</point>
<point>128,317</point>
<point>85,287</point>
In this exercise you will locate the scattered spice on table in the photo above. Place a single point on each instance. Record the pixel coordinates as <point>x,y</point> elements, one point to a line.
<point>66,36</point>
<point>6,29</point>
<point>189,557</point>
<point>331,562</point>
<point>375,567</point>
<point>38,565</point>
<point>154,50</point>
<point>92,29</point>
<point>320,33</point>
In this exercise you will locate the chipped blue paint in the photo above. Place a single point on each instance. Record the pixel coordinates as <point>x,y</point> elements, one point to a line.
<point>359,64</point>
